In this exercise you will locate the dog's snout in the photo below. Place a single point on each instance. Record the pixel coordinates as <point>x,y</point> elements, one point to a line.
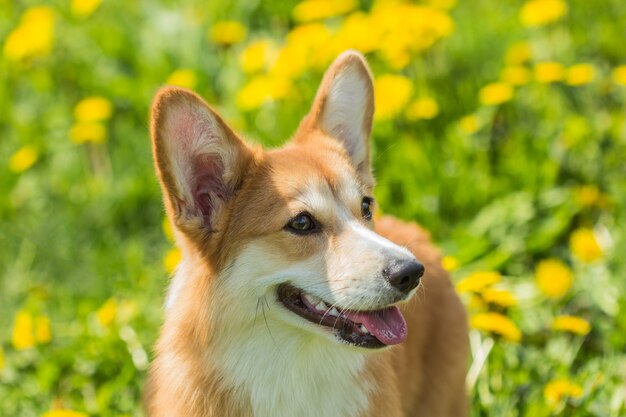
<point>404,275</point>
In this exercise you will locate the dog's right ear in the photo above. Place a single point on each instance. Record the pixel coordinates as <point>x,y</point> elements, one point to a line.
<point>199,159</point>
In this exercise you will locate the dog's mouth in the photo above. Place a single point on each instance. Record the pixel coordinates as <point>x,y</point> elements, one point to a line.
<point>369,329</point>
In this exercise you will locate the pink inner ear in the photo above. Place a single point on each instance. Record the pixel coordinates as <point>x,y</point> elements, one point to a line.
<point>208,186</point>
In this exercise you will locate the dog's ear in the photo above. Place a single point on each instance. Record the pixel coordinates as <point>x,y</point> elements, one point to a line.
<point>199,159</point>
<point>344,107</point>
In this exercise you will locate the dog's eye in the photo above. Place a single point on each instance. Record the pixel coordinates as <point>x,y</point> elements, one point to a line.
<point>303,223</point>
<point>366,208</point>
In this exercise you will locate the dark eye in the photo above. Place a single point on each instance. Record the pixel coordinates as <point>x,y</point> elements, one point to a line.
<point>366,208</point>
<point>303,223</point>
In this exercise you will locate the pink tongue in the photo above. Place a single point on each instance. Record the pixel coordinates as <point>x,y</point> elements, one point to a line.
<point>387,325</point>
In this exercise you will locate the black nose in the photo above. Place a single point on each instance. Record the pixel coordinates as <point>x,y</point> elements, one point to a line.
<point>404,275</point>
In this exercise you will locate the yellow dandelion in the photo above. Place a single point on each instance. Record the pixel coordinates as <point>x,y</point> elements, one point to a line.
<point>167,229</point>
<point>172,259</point>
<point>497,324</point>
<point>64,413</point>
<point>227,32</point>
<point>571,324</point>
<point>619,75</point>
<point>518,53</point>
<point>449,263</point>
<point>262,89</point>
<point>107,313</point>
<point>589,196</point>
<point>502,298</point>
<point>560,389</point>
<point>476,303</point>
<point>478,281</point>
<point>542,12</point>
<point>34,35</point>
<point>84,8</point>
<point>469,124</point>
<point>88,132</point>
<point>422,108</point>
<point>580,74</point>
<point>23,336</point>
<point>553,278</point>
<point>93,109</point>
<point>23,159</point>
<point>515,75</point>
<point>310,10</point>
<point>43,334</point>
<point>495,93</point>
<point>183,77</point>
<point>584,245</point>
<point>255,56</point>
<point>549,72</point>
<point>392,94</point>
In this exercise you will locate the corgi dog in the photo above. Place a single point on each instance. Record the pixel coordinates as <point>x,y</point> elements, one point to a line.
<point>289,301</point>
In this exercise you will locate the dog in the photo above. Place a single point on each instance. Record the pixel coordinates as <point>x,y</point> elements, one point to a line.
<point>288,300</point>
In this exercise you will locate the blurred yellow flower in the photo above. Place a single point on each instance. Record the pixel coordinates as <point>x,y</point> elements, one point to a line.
<point>558,390</point>
<point>167,229</point>
<point>497,324</point>
<point>63,413</point>
<point>518,53</point>
<point>542,12</point>
<point>422,108</point>
<point>584,245</point>
<point>589,196</point>
<point>261,89</point>
<point>619,75</point>
<point>549,72</point>
<point>571,324</point>
<point>255,56</point>
<point>107,312</point>
<point>478,281</point>
<point>392,92</point>
<point>502,298</point>
<point>469,124</point>
<point>172,259</point>
<point>23,337</point>
<point>227,32</point>
<point>580,74</point>
<point>88,132</point>
<point>93,109</point>
<point>449,263</point>
<point>309,10</point>
<point>34,35</point>
<point>515,75</point>
<point>24,158</point>
<point>84,8</point>
<point>43,333</point>
<point>495,93</point>
<point>183,77</point>
<point>553,278</point>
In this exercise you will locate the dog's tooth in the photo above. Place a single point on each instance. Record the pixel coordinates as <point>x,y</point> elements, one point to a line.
<point>364,329</point>
<point>313,300</point>
<point>333,312</point>
<point>321,306</point>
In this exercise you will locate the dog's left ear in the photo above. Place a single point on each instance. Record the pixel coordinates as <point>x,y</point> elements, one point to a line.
<point>344,107</point>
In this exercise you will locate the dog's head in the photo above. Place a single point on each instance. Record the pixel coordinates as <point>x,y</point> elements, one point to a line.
<point>290,229</point>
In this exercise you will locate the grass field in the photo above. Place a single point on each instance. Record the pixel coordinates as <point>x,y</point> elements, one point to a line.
<point>500,126</point>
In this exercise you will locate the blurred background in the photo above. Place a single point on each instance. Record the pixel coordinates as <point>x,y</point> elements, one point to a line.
<point>500,126</point>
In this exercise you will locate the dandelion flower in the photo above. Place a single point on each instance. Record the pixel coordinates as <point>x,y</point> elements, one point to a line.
<point>422,108</point>
<point>43,333</point>
<point>227,32</point>
<point>261,89</point>
<point>34,35</point>
<point>392,94</point>
<point>515,75</point>
<point>183,77</point>
<point>542,12</point>
<point>23,337</point>
<point>580,74</point>
<point>63,413</point>
<point>619,75</point>
<point>107,312</point>
<point>495,93</point>
<point>589,196</point>
<point>584,245</point>
<point>23,159</point>
<point>497,324</point>
<point>553,278</point>
<point>88,132</point>
<point>478,281</point>
<point>172,259</point>
<point>560,389</point>
<point>449,263</point>
<point>518,53</point>
<point>502,298</point>
<point>309,10</point>
<point>571,324</point>
<point>93,109</point>
<point>469,124</point>
<point>549,72</point>
<point>254,57</point>
<point>84,8</point>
